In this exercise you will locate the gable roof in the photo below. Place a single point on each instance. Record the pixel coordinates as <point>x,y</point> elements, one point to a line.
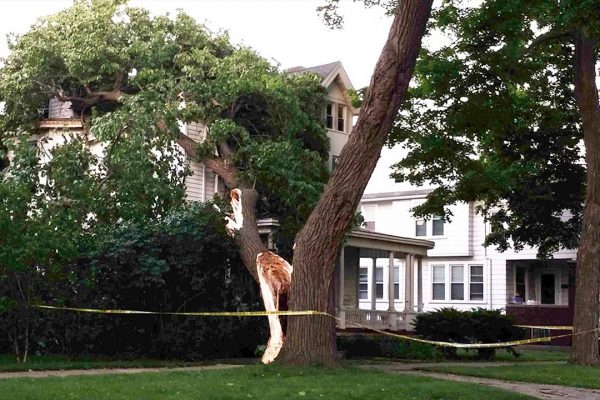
<point>329,72</point>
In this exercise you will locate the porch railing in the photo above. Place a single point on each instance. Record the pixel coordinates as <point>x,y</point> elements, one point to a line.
<point>383,320</point>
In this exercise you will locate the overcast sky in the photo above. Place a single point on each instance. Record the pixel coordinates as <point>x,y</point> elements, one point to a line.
<point>288,32</point>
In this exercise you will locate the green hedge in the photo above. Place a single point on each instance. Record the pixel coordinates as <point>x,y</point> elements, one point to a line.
<point>477,326</point>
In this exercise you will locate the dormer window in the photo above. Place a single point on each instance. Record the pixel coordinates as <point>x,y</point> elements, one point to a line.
<point>341,122</point>
<point>329,116</point>
<point>335,117</point>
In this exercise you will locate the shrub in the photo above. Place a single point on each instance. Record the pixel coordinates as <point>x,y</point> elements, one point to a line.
<point>185,262</point>
<point>384,346</point>
<point>477,326</point>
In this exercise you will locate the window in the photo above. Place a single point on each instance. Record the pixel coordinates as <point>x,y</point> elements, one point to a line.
<point>329,116</point>
<point>334,162</point>
<point>421,227</point>
<point>476,282</point>
<point>457,282</point>
<point>520,286</point>
<point>437,226</point>
<point>341,124</point>
<point>363,284</point>
<point>379,283</point>
<point>396,282</point>
<point>439,282</point>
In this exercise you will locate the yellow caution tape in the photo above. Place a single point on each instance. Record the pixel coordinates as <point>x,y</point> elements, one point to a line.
<point>312,312</point>
<point>188,314</point>
<point>549,327</point>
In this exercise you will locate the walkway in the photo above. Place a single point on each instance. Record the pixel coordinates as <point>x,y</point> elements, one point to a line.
<point>536,390</point>
<point>108,371</point>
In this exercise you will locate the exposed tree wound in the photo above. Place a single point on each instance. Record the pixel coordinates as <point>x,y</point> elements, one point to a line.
<point>274,278</point>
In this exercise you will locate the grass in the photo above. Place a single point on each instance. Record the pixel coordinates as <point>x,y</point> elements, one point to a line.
<point>58,362</point>
<point>251,382</point>
<point>526,355</point>
<point>556,374</point>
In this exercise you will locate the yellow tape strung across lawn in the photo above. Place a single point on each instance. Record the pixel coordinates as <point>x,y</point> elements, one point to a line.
<point>299,313</point>
<point>188,314</point>
<point>549,327</point>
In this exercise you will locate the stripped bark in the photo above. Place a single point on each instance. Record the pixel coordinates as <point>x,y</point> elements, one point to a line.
<point>587,305</point>
<point>274,275</point>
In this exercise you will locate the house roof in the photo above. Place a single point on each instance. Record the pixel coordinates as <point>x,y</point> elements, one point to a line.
<point>323,70</point>
<point>364,238</point>
<point>329,72</point>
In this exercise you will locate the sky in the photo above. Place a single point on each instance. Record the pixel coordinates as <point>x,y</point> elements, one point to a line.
<point>287,32</point>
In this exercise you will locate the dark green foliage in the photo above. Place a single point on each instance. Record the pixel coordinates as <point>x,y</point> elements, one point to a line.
<point>492,119</point>
<point>477,326</point>
<point>184,262</point>
<point>384,346</point>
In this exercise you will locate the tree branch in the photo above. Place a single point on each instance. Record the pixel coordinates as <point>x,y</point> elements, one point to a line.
<point>547,37</point>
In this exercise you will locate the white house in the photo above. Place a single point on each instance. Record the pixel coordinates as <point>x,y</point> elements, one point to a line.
<point>460,272</point>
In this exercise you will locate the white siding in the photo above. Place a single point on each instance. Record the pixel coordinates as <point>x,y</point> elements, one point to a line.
<point>461,244</point>
<point>59,109</point>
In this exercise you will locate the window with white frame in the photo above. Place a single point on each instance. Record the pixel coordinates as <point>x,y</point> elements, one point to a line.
<point>379,283</point>
<point>421,227</point>
<point>363,283</point>
<point>329,116</point>
<point>465,282</point>
<point>341,120</point>
<point>457,282</point>
<point>439,282</point>
<point>476,282</point>
<point>437,226</point>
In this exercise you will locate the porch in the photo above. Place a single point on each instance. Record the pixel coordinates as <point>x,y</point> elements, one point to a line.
<point>541,293</point>
<point>378,281</point>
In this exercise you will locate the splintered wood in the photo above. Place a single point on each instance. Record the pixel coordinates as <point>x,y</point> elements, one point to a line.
<point>275,279</point>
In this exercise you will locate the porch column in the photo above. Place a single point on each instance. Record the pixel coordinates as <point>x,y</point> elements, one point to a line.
<point>341,312</point>
<point>341,279</point>
<point>420,284</point>
<point>374,285</point>
<point>391,283</point>
<point>408,295</point>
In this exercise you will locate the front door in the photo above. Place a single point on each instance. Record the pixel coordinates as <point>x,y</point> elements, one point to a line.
<point>548,288</point>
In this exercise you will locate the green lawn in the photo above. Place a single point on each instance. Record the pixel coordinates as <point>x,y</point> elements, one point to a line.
<point>526,355</point>
<point>57,362</point>
<point>557,374</point>
<point>252,382</point>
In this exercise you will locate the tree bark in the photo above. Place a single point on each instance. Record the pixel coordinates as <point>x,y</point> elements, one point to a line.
<point>308,338</point>
<point>587,305</point>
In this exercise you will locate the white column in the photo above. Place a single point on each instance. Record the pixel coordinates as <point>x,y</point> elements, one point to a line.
<point>408,278</point>
<point>341,280</point>
<point>391,283</point>
<point>420,284</point>
<point>374,285</point>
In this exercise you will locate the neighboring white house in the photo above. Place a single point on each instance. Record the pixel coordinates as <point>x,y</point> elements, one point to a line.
<point>460,272</point>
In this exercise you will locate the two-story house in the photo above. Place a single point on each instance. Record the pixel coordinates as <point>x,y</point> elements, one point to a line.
<point>461,272</point>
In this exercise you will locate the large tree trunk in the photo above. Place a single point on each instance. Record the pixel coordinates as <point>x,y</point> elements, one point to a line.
<point>587,306</point>
<point>308,339</point>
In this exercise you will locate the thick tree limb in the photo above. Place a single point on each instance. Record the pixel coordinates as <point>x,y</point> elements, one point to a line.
<point>546,38</point>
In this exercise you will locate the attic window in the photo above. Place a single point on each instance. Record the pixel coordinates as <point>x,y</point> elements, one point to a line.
<point>329,116</point>
<point>341,122</point>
